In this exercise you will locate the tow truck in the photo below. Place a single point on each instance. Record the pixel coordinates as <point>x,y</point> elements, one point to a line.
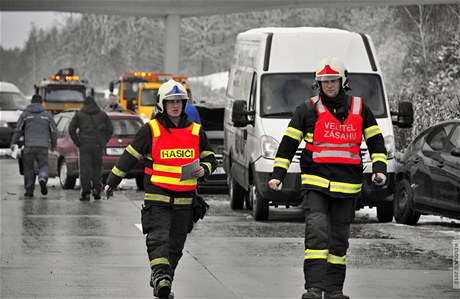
<point>138,91</point>
<point>63,91</point>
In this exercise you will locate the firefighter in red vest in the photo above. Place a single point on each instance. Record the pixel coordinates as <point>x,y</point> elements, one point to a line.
<point>171,205</point>
<point>333,124</point>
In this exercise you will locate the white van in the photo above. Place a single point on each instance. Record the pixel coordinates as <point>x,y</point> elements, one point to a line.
<point>271,73</point>
<point>12,103</point>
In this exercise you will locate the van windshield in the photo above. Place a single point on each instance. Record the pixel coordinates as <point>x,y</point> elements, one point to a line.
<point>282,93</point>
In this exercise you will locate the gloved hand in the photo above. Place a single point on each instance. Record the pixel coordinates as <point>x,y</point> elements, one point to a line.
<point>199,208</point>
<point>108,191</point>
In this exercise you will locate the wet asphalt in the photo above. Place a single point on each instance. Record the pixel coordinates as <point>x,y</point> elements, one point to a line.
<point>56,246</point>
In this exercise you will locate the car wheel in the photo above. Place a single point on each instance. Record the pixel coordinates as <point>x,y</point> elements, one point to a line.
<point>140,182</point>
<point>402,204</point>
<point>385,211</point>
<point>237,194</point>
<point>260,207</point>
<point>67,182</point>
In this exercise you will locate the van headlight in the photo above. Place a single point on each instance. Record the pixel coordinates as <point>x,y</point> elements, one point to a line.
<point>390,146</point>
<point>269,147</point>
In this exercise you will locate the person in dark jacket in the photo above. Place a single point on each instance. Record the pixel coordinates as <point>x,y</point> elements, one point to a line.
<point>94,131</point>
<point>333,126</point>
<point>167,143</point>
<point>39,130</point>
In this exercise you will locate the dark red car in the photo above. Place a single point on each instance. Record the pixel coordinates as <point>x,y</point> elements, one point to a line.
<point>64,161</point>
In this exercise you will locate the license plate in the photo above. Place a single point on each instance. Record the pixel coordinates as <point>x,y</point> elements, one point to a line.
<point>114,151</point>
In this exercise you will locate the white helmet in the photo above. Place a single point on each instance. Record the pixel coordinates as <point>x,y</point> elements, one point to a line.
<point>171,90</point>
<point>332,68</point>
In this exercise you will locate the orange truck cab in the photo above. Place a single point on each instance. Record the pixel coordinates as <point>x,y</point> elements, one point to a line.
<point>63,91</point>
<point>138,91</point>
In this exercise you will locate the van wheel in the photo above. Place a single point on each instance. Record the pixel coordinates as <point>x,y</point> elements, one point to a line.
<point>385,211</point>
<point>140,182</point>
<point>237,194</point>
<point>67,182</point>
<point>402,204</point>
<point>260,205</point>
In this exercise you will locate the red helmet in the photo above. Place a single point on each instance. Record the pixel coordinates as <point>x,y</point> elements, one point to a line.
<point>331,68</point>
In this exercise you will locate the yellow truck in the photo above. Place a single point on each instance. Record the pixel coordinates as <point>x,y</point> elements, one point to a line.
<point>63,91</point>
<point>138,91</point>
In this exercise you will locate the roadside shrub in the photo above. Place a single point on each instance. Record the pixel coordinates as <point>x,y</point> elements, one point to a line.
<point>428,110</point>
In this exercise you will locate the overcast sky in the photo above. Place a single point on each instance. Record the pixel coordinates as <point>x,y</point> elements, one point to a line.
<point>15,26</point>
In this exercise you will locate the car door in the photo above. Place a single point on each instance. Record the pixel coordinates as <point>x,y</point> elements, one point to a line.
<point>434,166</point>
<point>449,169</point>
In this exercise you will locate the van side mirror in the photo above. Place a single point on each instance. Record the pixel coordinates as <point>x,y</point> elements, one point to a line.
<point>111,86</point>
<point>240,114</point>
<point>405,115</point>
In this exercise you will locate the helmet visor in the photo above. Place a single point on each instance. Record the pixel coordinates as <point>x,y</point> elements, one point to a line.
<point>175,97</point>
<point>328,78</point>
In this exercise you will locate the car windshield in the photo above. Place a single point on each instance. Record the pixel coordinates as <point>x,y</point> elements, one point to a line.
<point>149,97</point>
<point>13,101</point>
<point>125,126</point>
<point>67,94</point>
<point>282,93</point>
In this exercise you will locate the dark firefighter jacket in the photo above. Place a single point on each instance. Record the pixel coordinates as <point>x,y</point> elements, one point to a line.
<point>142,147</point>
<point>337,180</point>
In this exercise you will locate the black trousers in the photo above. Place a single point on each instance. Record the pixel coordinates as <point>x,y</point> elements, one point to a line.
<point>327,229</point>
<point>166,227</point>
<point>90,168</point>
<point>30,155</point>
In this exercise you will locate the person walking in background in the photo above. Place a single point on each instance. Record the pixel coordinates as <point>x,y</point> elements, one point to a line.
<point>39,131</point>
<point>114,105</point>
<point>167,142</point>
<point>94,131</point>
<point>333,125</point>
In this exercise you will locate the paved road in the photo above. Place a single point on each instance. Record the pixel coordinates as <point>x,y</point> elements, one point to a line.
<point>59,247</point>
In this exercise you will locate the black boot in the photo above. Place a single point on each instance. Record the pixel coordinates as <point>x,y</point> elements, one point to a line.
<point>161,284</point>
<point>335,295</point>
<point>84,197</point>
<point>43,188</point>
<point>313,293</point>
<point>162,289</point>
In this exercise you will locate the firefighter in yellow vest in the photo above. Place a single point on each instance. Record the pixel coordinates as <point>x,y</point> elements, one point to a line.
<point>333,125</point>
<point>167,143</point>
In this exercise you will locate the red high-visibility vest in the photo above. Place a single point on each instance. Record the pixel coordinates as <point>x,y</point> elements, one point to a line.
<point>169,152</point>
<point>333,141</point>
